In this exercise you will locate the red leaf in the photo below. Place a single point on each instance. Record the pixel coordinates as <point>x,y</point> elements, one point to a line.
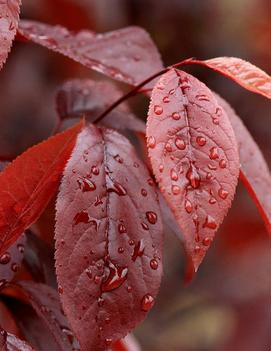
<point>242,72</point>
<point>28,183</point>
<point>88,98</point>
<point>9,10</point>
<point>10,342</point>
<point>10,261</point>
<point>46,303</point>
<point>128,54</point>
<point>254,171</point>
<point>108,239</point>
<point>194,157</point>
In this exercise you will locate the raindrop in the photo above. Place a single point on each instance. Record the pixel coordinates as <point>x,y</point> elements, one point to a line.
<point>86,185</point>
<point>188,206</point>
<point>206,241</point>
<point>168,147</point>
<point>151,217</point>
<point>5,258</point>
<point>144,192</point>
<point>98,201</point>
<point>118,158</point>
<point>175,189</point>
<point>201,141</point>
<point>100,301</point>
<point>95,170</point>
<point>145,226</point>
<point>151,142</point>
<point>147,302</point>
<point>180,144</point>
<point>213,153</point>
<point>120,250</point>
<point>166,99</point>
<point>210,222</point>
<point>129,288</point>
<point>202,97</point>
<point>222,163</point>
<point>81,217</point>
<point>122,229</point>
<point>20,247</point>
<point>223,193</point>
<point>154,264</point>
<point>117,276</point>
<point>150,182</point>
<point>108,341</point>
<point>60,289</point>
<point>138,250</point>
<point>209,176</point>
<point>131,242</point>
<point>173,175</point>
<point>216,121</point>
<point>117,188</point>
<point>176,116</point>
<point>161,168</point>
<point>212,201</point>
<point>158,110</point>
<point>15,267</point>
<point>193,176</point>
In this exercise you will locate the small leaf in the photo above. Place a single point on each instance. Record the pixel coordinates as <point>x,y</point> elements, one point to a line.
<point>108,238</point>
<point>194,157</point>
<point>242,72</point>
<point>9,10</point>
<point>88,98</point>
<point>128,54</point>
<point>10,342</point>
<point>46,303</point>
<point>28,183</point>
<point>254,171</point>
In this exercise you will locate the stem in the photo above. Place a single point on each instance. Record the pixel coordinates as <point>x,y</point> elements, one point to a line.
<point>138,87</point>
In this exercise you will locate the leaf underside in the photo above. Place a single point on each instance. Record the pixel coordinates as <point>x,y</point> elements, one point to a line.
<point>194,157</point>
<point>254,171</point>
<point>88,98</point>
<point>108,239</point>
<point>128,54</point>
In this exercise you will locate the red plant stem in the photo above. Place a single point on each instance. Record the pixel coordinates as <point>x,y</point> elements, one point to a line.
<point>137,88</point>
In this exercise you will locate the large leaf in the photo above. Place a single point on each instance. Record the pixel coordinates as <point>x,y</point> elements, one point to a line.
<point>108,239</point>
<point>88,98</point>
<point>128,54</point>
<point>28,183</point>
<point>254,171</point>
<point>242,72</point>
<point>9,10</point>
<point>46,303</point>
<point>10,342</point>
<point>194,156</point>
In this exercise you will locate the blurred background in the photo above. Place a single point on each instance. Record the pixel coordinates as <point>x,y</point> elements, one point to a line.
<point>226,307</point>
